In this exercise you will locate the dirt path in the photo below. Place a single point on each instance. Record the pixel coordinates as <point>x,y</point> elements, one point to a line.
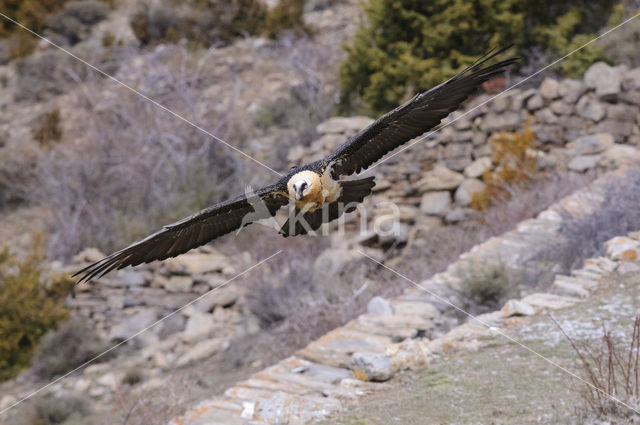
<point>502,383</point>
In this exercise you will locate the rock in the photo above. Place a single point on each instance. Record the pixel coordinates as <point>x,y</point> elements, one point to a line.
<point>631,80</point>
<point>618,155</point>
<point>561,108</point>
<point>590,109</point>
<point>440,178</point>
<point>606,80</point>
<point>591,144</point>
<point>108,380</point>
<point>336,347</point>
<point>541,301</point>
<point>7,401</point>
<point>343,125</point>
<point>571,90</point>
<point>457,215</point>
<point>571,289</point>
<point>549,89</point>
<point>420,309</point>
<point>200,351</point>
<point>332,262</point>
<point>408,354</point>
<point>478,167</point>
<point>623,248</point>
<point>131,278</point>
<point>379,305</point>
<point>546,116</point>
<point>621,112</point>
<point>620,129</point>
<point>535,102</point>
<point>398,234</point>
<point>504,121</point>
<point>197,263</point>
<point>178,284</point>
<point>464,193</point>
<point>517,308</point>
<point>223,297</point>
<point>583,163</point>
<point>133,324</point>
<point>371,367</point>
<point>198,326</point>
<point>88,255</point>
<point>436,203</point>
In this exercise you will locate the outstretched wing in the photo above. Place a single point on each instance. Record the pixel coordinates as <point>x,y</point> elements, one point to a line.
<point>413,118</point>
<point>194,231</point>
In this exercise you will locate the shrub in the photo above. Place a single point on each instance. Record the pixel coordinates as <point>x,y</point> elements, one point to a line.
<point>486,287</point>
<point>611,366</point>
<point>200,21</point>
<point>73,343</point>
<point>515,165</point>
<point>29,307</point>
<point>407,46</point>
<point>42,75</point>
<point>48,129</point>
<point>52,410</point>
<point>75,20</point>
<point>286,15</point>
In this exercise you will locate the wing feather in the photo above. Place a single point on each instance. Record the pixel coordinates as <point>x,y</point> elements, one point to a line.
<point>193,231</point>
<point>412,119</point>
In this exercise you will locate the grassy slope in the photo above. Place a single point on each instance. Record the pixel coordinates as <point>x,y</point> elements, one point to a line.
<point>502,383</point>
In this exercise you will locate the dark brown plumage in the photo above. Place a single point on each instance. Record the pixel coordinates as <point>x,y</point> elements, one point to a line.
<point>420,114</point>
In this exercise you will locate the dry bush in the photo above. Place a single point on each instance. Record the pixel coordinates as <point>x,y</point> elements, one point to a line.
<point>584,236</point>
<point>42,76</point>
<point>298,300</point>
<point>486,287</point>
<point>54,410</point>
<point>73,343</point>
<point>515,166</point>
<point>134,167</point>
<point>150,407</point>
<point>612,367</point>
<point>48,129</point>
<point>75,20</point>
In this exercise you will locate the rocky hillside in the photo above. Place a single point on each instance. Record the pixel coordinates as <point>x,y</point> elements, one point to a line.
<point>579,126</point>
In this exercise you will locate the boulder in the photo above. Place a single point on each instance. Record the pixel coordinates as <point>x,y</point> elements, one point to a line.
<point>535,102</point>
<point>571,90</point>
<point>549,89</point>
<point>478,167</point>
<point>178,284</point>
<point>436,203</point>
<point>605,79</point>
<point>591,144</point>
<point>583,162</point>
<point>464,193</point>
<point>196,263</point>
<point>200,351</point>
<point>371,367</point>
<point>133,324</point>
<point>631,80</point>
<point>618,155</point>
<point>517,308</point>
<point>590,109</point>
<point>440,178</point>
<point>88,255</point>
<point>379,305</point>
<point>623,248</point>
<point>198,326</point>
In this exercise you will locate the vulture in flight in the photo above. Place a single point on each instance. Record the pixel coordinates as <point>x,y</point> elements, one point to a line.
<point>319,193</point>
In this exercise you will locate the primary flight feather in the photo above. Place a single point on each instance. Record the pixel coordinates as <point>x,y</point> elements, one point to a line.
<point>319,194</point>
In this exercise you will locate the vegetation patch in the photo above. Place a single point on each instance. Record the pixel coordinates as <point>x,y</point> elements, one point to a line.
<point>29,306</point>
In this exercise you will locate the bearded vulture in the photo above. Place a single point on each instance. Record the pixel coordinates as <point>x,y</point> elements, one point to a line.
<point>316,188</point>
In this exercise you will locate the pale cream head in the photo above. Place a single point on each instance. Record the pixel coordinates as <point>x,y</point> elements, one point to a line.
<point>304,185</point>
